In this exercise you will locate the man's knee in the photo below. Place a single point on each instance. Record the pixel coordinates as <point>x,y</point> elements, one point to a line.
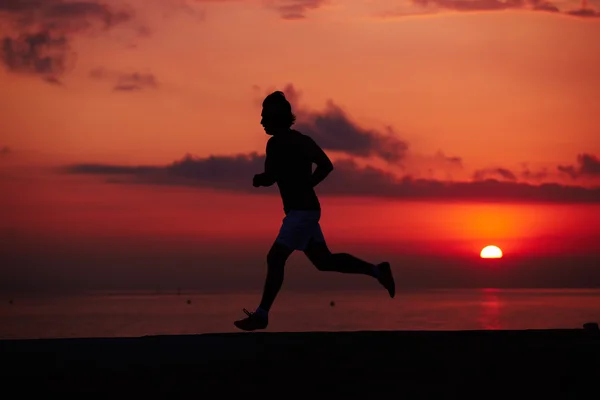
<point>323,262</point>
<point>320,256</point>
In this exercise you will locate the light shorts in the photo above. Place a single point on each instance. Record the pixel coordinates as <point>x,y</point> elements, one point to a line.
<point>299,227</point>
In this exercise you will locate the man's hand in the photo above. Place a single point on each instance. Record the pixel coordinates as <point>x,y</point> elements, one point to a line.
<point>258,180</point>
<point>263,179</point>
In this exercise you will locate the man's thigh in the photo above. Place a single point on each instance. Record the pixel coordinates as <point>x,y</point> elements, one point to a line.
<point>298,229</point>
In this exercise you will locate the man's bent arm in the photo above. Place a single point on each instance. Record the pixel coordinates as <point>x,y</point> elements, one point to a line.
<point>320,174</point>
<point>324,164</point>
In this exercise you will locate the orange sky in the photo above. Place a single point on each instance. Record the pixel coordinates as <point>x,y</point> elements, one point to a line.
<point>444,91</point>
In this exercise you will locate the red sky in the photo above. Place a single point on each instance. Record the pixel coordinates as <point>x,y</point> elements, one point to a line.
<point>131,129</point>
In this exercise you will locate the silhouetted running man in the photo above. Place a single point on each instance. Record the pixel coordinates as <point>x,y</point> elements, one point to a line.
<point>289,159</point>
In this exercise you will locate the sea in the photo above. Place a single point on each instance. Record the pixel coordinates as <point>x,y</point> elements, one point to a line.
<point>134,314</point>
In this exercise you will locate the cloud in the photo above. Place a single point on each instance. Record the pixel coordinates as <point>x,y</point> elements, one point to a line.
<point>234,173</point>
<point>588,166</point>
<point>436,6</point>
<point>295,9</point>
<point>291,10</point>
<point>37,33</point>
<point>437,165</point>
<point>334,130</point>
<point>452,160</point>
<point>530,175</point>
<point>470,5</point>
<point>584,13</point>
<point>506,174</point>
<point>541,5</point>
<point>503,173</point>
<point>126,81</point>
<point>39,53</point>
<point>63,15</point>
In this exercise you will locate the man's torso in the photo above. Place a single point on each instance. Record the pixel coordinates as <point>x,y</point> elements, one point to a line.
<point>293,166</point>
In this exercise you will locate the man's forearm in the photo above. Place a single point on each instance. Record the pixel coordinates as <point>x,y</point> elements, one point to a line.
<point>319,175</point>
<point>268,179</point>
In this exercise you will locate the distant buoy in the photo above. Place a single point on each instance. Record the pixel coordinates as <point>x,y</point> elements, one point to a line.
<point>332,303</point>
<point>10,301</point>
<point>189,301</point>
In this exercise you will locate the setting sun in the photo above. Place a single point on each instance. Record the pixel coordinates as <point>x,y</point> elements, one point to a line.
<point>491,252</point>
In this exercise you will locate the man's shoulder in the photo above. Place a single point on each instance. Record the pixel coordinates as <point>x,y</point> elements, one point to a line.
<point>304,138</point>
<point>297,133</point>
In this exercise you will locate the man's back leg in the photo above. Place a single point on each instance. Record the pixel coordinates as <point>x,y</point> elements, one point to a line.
<point>321,257</point>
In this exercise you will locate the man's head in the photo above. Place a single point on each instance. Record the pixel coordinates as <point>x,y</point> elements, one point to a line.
<point>277,116</point>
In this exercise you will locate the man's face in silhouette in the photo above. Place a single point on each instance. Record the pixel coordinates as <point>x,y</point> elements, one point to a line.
<point>274,120</point>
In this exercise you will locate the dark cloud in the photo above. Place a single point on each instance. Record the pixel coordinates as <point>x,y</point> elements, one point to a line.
<point>81,15</point>
<point>295,9</point>
<point>66,16</point>
<point>53,80</point>
<point>540,5</point>
<point>37,33</point>
<point>234,173</point>
<point>507,175</point>
<point>588,166</point>
<point>104,169</point>
<point>287,9</point>
<point>503,173</point>
<point>471,5</point>
<point>334,130</point>
<point>455,161</point>
<point>432,6</point>
<point>219,172</point>
<point>584,13</point>
<point>530,175</point>
<point>40,53</point>
<point>126,82</point>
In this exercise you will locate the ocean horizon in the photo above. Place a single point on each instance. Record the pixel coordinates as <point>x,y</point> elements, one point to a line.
<point>143,313</point>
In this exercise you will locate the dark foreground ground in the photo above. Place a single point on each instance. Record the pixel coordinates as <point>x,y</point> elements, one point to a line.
<point>561,364</point>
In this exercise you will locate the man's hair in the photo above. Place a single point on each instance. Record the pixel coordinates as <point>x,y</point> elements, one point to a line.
<point>277,101</point>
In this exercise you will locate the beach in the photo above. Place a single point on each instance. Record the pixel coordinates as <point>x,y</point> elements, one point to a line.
<point>484,343</point>
<point>399,364</point>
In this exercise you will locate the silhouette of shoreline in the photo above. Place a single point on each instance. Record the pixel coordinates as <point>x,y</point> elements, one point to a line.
<point>482,364</point>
